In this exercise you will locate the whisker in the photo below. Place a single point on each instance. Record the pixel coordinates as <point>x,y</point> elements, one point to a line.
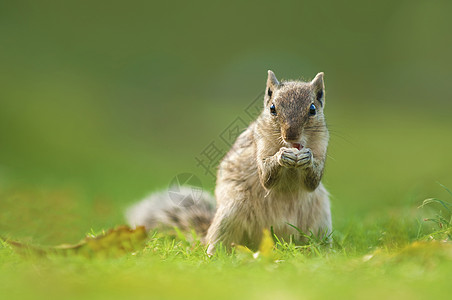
<point>331,157</point>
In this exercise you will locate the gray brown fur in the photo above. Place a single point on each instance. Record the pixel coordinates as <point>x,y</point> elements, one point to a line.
<point>159,211</point>
<point>263,181</point>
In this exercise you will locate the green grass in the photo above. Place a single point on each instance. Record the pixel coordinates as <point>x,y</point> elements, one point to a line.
<point>167,269</point>
<point>396,257</point>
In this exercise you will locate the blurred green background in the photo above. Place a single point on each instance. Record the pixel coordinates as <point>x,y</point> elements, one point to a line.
<point>102,102</point>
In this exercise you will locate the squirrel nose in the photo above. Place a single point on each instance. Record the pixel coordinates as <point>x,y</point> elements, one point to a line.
<point>291,134</point>
<point>292,138</point>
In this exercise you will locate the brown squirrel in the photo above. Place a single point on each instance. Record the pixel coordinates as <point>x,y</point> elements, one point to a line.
<point>269,179</point>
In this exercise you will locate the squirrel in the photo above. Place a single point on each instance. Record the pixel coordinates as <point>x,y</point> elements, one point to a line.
<point>270,178</point>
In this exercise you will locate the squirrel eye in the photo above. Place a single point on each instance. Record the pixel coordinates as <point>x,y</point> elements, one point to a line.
<point>273,109</point>
<point>312,110</point>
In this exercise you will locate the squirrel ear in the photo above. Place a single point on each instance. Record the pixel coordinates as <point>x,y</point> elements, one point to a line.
<point>271,79</point>
<point>272,84</point>
<point>319,87</point>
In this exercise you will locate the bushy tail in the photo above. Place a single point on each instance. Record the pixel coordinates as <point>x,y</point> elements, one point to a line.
<point>183,207</point>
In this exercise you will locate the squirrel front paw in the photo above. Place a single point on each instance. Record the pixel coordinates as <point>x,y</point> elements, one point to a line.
<point>287,157</point>
<point>304,158</point>
<point>294,158</point>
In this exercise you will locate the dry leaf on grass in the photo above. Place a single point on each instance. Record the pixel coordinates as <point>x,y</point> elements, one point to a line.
<point>115,242</point>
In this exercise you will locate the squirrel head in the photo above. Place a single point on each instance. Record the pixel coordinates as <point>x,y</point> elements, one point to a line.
<point>295,108</point>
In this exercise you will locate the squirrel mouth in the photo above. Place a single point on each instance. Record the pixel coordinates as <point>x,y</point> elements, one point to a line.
<point>297,145</point>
